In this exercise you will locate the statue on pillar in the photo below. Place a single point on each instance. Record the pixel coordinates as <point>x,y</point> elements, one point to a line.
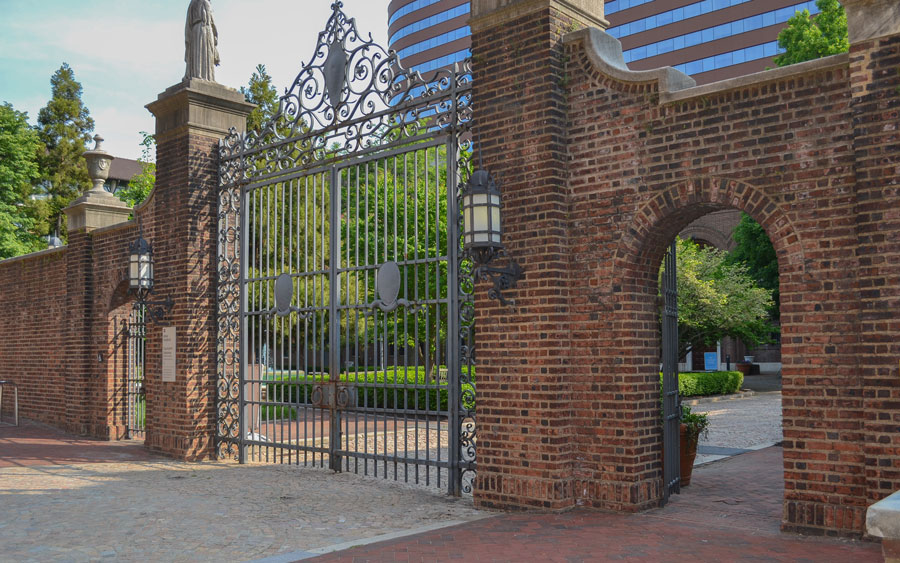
<point>200,42</point>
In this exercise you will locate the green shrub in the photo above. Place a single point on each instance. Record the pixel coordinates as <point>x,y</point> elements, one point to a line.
<point>375,389</point>
<point>701,384</point>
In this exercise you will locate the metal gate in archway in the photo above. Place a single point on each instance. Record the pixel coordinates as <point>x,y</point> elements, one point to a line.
<point>345,305</point>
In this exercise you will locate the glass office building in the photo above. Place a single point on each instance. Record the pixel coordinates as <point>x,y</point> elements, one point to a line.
<point>710,40</point>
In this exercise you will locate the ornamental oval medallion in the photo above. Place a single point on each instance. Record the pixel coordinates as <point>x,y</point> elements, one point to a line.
<point>388,283</point>
<point>335,69</point>
<point>284,292</point>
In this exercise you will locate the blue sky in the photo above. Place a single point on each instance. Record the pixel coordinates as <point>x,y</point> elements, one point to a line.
<point>125,52</point>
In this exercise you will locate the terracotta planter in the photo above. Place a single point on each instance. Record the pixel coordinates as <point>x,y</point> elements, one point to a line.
<point>688,454</point>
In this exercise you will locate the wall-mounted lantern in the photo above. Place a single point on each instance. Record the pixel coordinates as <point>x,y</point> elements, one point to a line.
<point>482,234</point>
<point>140,279</point>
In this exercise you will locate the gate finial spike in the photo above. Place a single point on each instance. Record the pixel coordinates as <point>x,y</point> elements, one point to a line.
<point>337,5</point>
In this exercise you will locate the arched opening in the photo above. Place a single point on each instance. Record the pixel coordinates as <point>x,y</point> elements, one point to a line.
<point>679,211</point>
<point>125,365</point>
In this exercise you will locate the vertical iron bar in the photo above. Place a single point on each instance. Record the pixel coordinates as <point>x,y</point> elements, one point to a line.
<point>453,368</point>
<point>334,331</point>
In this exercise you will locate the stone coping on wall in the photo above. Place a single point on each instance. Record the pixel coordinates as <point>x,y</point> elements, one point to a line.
<point>117,227</point>
<point>38,254</point>
<point>841,60</point>
<point>605,52</point>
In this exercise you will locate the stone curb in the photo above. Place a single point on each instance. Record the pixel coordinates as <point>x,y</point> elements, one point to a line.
<point>298,555</point>
<point>746,394</point>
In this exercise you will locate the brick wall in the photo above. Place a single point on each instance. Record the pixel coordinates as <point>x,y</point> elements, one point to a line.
<point>34,327</point>
<point>61,314</point>
<point>600,169</point>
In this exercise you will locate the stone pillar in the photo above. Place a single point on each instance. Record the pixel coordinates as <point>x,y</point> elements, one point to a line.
<point>875,104</point>
<point>191,117</point>
<point>524,405</point>
<point>86,396</point>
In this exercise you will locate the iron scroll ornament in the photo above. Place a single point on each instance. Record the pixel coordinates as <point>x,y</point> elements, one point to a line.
<point>352,97</point>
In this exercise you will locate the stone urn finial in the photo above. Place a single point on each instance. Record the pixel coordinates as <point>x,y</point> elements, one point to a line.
<point>98,161</point>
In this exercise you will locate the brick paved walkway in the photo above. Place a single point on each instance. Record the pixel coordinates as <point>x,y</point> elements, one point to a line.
<point>731,512</point>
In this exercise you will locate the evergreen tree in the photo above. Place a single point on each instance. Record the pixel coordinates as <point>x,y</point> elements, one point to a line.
<point>262,92</point>
<point>806,38</point>
<point>19,148</point>
<point>64,126</point>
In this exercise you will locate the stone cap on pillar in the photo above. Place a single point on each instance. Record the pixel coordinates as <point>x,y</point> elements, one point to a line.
<point>871,19</point>
<point>199,106</point>
<point>97,208</point>
<point>490,13</point>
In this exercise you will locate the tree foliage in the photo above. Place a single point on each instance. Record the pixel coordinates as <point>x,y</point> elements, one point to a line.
<point>754,251</point>
<point>717,298</point>
<point>19,149</point>
<point>806,38</point>
<point>262,92</point>
<point>64,126</point>
<point>140,186</point>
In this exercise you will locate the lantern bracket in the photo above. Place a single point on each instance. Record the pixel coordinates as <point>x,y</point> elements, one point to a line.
<point>503,278</point>
<point>155,311</point>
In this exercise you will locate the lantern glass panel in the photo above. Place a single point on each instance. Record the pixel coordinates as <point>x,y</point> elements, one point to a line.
<point>145,272</point>
<point>133,271</point>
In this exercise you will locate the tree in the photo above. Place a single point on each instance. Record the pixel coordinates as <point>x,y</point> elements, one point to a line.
<point>64,126</point>
<point>142,184</point>
<point>19,147</point>
<point>718,299</point>
<point>262,92</point>
<point>755,251</point>
<point>806,38</point>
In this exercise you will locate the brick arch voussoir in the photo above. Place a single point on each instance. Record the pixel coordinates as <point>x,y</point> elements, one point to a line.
<point>660,219</point>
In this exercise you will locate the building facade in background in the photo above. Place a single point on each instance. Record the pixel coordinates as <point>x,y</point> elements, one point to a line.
<point>710,40</point>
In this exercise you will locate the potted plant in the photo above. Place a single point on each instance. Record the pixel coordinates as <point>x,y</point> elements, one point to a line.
<point>693,425</point>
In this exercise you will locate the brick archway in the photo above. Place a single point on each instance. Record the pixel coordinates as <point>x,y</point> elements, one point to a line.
<point>633,289</point>
<point>602,166</point>
<point>656,222</point>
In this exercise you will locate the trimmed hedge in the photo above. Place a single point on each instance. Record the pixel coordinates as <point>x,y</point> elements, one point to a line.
<point>701,384</point>
<point>297,389</point>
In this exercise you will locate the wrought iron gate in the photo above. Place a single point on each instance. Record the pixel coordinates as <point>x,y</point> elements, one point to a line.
<point>671,404</point>
<point>135,399</point>
<point>345,307</point>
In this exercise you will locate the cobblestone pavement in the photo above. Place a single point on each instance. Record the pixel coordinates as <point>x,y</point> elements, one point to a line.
<point>740,424</point>
<point>162,510</point>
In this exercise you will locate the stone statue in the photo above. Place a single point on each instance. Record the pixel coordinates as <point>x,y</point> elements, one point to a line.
<point>200,41</point>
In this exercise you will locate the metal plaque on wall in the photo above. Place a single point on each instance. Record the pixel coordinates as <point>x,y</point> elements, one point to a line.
<point>168,353</point>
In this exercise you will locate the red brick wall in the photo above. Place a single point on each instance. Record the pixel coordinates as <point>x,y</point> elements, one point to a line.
<point>181,414</point>
<point>598,175</point>
<point>525,443</point>
<point>33,326</point>
<point>875,104</point>
<point>61,315</point>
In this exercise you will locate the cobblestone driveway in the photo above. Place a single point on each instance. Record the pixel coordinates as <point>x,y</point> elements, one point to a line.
<point>170,511</point>
<point>741,424</point>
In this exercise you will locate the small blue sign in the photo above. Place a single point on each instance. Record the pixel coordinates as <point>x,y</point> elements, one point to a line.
<point>710,361</point>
